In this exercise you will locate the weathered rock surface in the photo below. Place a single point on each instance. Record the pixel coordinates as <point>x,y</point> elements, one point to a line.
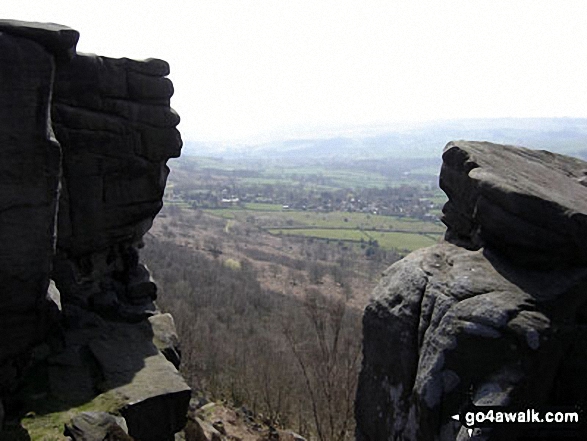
<point>58,40</point>
<point>92,426</point>
<point>530,205</point>
<point>116,129</point>
<point>165,337</point>
<point>84,142</point>
<point>121,362</point>
<point>499,321</point>
<point>30,168</point>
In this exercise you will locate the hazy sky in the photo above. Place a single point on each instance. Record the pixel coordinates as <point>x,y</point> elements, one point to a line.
<point>248,70</point>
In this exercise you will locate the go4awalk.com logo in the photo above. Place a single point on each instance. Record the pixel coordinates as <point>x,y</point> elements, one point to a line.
<point>491,416</point>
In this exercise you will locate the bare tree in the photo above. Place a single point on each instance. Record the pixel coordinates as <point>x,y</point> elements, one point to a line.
<point>329,362</point>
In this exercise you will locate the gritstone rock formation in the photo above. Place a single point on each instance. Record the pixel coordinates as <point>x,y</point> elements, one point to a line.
<point>495,315</point>
<point>84,142</point>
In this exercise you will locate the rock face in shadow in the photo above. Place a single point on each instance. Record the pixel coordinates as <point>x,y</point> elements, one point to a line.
<point>84,142</point>
<point>118,110</point>
<point>30,164</point>
<point>496,315</point>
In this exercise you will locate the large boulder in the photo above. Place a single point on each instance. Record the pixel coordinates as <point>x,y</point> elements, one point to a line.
<point>530,205</point>
<point>93,426</point>
<point>124,365</point>
<point>491,319</point>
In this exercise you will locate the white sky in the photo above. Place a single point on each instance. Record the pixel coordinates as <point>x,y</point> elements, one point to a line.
<point>250,70</point>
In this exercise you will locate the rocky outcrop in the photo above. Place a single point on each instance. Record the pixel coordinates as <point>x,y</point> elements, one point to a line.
<point>97,425</point>
<point>30,170</point>
<point>496,315</point>
<point>118,110</point>
<point>208,421</point>
<point>529,205</point>
<point>84,142</point>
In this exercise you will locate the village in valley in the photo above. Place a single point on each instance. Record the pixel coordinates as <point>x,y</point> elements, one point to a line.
<point>399,211</point>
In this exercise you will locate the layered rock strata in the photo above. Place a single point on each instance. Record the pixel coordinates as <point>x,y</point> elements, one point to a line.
<point>84,142</point>
<point>495,315</point>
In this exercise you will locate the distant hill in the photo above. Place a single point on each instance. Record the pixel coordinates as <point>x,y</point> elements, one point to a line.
<point>423,140</point>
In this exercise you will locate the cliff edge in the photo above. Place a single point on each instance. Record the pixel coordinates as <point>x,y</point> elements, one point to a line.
<point>84,142</point>
<point>496,315</point>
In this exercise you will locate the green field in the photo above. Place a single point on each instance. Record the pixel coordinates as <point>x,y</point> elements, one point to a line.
<point>390,232</point>
<point>272,216</point>
<point>179,204</point>
<point>386,240</point>
<point>255,206</point>
<point>405,241</point>
<point>342,178</point>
